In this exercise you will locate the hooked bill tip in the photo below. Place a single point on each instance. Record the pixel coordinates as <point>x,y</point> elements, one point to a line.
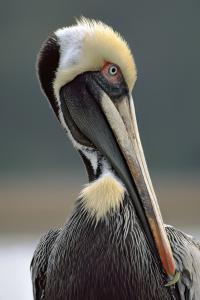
<point>174,280</point>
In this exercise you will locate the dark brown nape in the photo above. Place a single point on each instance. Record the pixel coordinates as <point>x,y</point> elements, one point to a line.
<point>88,166</point>
<point>47,64</point>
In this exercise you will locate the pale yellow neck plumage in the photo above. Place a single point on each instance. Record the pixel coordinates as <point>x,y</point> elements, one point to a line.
<point>102,196</point>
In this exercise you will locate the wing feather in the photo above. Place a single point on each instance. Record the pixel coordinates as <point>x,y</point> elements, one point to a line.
<point>186,251</point>
<point>39,262</point>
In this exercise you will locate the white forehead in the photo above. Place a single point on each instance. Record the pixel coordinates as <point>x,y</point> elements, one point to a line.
<point>70,42</point>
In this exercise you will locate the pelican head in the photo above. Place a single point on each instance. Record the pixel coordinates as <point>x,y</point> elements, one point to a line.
<point>87,72</point>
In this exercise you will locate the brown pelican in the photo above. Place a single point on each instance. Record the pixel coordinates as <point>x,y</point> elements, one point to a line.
<point>114,245</point>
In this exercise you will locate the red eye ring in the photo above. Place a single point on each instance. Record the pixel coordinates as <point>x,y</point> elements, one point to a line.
<point>112,73</point>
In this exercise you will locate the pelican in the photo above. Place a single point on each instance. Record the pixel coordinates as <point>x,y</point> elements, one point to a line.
<point>114,245</point>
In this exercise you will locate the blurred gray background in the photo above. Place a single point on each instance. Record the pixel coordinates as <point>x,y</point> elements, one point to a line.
<point>40,172</point>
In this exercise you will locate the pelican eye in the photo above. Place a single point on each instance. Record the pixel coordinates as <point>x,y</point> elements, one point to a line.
<point>112,70</point>
<point>112,73</point>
